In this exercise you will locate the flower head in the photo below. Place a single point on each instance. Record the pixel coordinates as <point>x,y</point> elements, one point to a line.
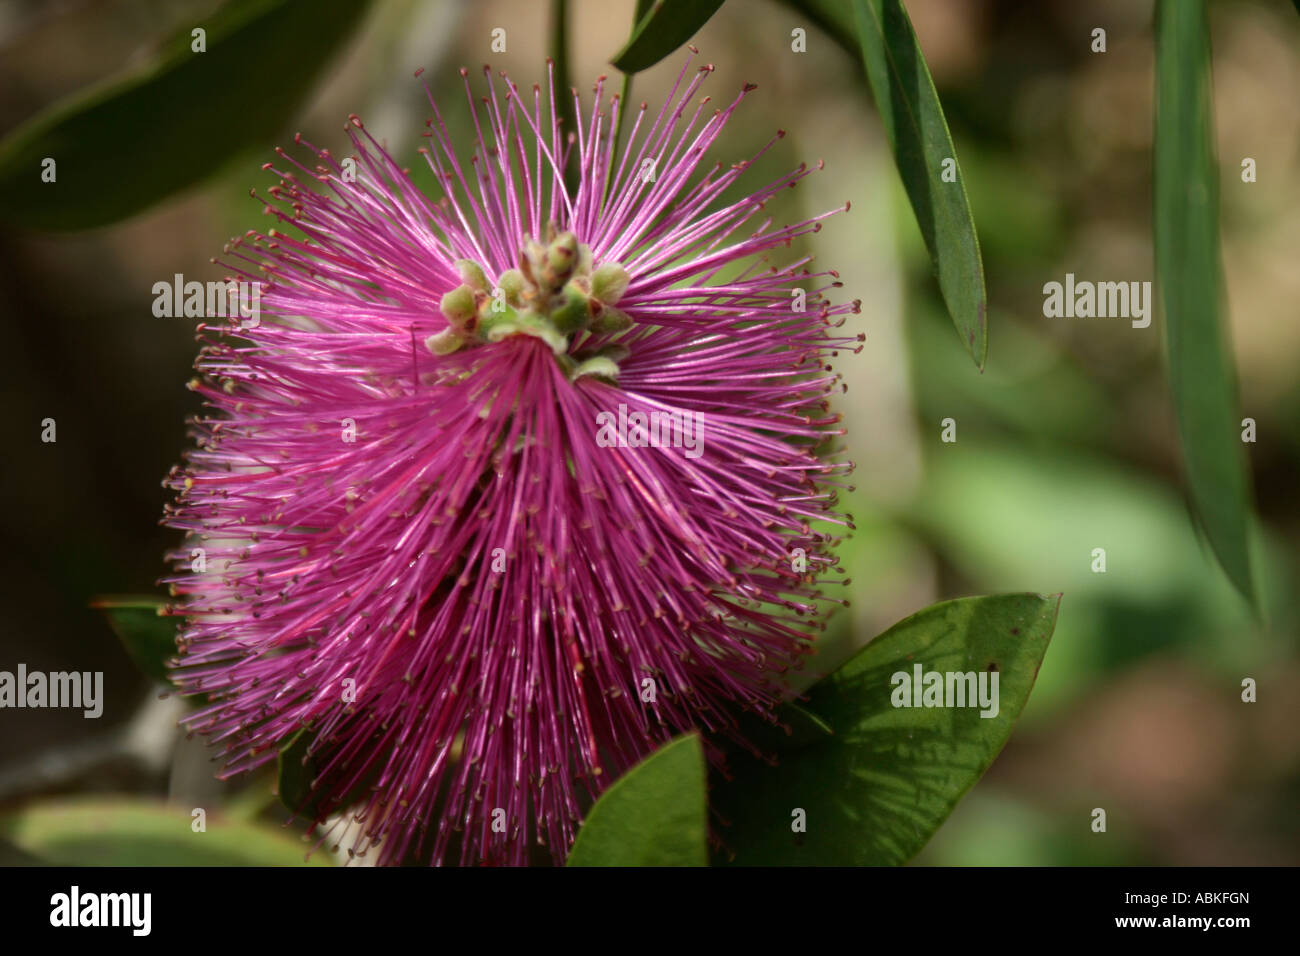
<point>512,484</point>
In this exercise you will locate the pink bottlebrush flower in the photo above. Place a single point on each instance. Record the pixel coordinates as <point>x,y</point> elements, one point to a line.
<point>438,532</point>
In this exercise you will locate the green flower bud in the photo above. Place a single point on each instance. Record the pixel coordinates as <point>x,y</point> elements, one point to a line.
<point>552,296</point>
<point>458,306</point>
<point>610,319</point>
<point>615,352</point>
<point>444,342</point>
<point>609,282</point>
<point>599,366</point>
<point>543,330</point>
<point>512,283</point>
<point>574,311</point>
<point>472,274</point>
<point>562,259</point>
<point>497,331</point>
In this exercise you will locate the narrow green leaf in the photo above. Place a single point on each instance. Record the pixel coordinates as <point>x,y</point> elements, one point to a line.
<point>1189,279</point>
<point>654,815</point>
<point>877,789</point>
<point>135,140</point>
<point>918,134</point>
<point>148,637</point>
<point>667,25</point>
<point>116,831</point>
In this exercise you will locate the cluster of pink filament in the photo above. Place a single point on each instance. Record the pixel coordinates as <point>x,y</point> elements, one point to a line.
<point>461,606</point>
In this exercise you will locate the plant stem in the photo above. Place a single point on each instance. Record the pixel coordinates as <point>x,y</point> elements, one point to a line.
<point>560,56</point>
<point>642,8</point>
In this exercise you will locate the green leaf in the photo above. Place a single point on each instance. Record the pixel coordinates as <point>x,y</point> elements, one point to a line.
<point>135,140</point>
<point>667,25</point>
<point>296,771</point>
<point>1190,282</point>
<point>654,815</point>
<point>878,789</point>
<point>918,134</point>
<point>115,831</point>
<point>148,637</point>
<point>796,728</point>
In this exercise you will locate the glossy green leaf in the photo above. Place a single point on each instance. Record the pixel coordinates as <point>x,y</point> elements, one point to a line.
<point>667,25</point>
<point>135,140</point>
<point>876,790</point>
<point>654,815</point>
<point>116,831</point>
<point>1190,283</point>
<point>148,637</point>
<point>918,135</point>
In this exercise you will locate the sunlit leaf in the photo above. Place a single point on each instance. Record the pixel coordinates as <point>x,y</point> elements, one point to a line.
<point>654,815</point>
<point>877,789</point>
